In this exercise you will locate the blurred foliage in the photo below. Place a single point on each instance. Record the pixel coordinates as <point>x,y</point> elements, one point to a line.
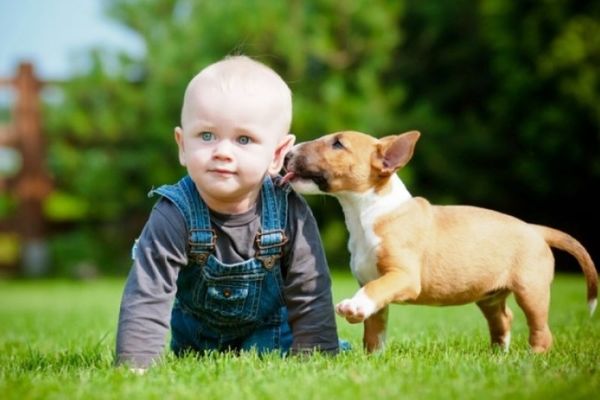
<point>8,205</point>
<point>9,248</point>
<point>505,93</point>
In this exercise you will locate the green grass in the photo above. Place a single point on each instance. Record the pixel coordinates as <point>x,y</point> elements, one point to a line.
<point>57,341</point>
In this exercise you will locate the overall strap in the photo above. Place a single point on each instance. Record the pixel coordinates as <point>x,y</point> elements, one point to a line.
<point>202,238</point>
<point>271,237</point>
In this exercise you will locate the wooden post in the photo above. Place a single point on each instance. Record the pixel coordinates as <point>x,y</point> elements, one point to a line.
<point>32,183</point>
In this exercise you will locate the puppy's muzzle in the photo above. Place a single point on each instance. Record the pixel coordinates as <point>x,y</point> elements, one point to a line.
<point>296,168</point>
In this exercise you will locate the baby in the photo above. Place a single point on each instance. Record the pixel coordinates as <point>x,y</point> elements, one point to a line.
<point>229,259</point>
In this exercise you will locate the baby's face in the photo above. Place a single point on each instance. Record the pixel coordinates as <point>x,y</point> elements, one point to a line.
<point>228,141</point>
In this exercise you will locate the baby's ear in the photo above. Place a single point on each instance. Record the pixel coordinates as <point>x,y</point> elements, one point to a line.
<point>285,145</point>
<point>179,139</point>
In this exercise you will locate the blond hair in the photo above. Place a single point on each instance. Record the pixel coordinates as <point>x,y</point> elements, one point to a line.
<point>242,73</point>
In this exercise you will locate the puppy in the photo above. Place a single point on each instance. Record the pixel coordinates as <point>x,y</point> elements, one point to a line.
<point>405,250</point>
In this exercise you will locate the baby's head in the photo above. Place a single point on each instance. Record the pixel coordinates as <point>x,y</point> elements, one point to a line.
<point>254,87</point>
<point>235,123</point>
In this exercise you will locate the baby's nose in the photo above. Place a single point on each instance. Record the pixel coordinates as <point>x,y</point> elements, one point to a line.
<point>223,149</point>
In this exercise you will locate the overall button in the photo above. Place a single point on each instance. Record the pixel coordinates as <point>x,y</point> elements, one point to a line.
<point>226,292</point>
<point>268,261</point>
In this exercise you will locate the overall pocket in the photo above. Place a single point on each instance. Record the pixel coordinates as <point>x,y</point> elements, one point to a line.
<point>231,294</point>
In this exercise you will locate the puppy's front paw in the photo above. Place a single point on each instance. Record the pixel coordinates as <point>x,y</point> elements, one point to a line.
<point>356,309</point>
<point>349,310</point>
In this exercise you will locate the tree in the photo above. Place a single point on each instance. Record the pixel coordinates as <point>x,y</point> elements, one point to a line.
<point>112,140</point>
<point>508,96</point>
<point>505,93</point>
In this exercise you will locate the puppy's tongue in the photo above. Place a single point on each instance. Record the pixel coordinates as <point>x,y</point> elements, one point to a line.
<point>288,177</point>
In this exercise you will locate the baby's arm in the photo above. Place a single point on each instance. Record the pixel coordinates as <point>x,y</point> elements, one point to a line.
<point>148,296</point>
<point>307,283</point>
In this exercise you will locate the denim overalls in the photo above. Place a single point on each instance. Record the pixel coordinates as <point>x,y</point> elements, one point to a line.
<point>222,306</point>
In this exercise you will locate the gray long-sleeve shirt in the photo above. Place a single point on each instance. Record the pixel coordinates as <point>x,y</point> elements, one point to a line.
<point>161,252</point>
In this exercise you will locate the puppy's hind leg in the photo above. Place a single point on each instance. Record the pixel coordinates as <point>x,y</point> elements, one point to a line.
<point>535,304</point>
<point>532,292</point>
<point>499,318</point>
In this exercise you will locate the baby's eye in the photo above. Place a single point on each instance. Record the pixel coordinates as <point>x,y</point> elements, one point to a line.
<point>244,140</point>
<point>207,136</point>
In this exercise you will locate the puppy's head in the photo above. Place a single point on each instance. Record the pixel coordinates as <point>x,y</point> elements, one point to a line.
<point>347,162</point>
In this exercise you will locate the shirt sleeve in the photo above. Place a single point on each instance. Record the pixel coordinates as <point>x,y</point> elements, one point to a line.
<point>145,312</point>
<point>307,282</point>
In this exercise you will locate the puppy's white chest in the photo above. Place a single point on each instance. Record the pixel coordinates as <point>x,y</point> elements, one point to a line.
<point>362,212</point>
<point>363,244</point>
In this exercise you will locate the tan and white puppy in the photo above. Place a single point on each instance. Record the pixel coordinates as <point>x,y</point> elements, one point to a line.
<point>405,250</point>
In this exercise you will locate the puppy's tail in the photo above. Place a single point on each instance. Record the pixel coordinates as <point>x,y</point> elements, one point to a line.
<point>565,242</point>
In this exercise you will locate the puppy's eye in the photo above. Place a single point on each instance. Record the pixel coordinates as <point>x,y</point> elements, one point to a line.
<point>337,144</point>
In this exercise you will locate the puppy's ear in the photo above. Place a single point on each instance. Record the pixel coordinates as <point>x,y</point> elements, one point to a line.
<point>394,152</point>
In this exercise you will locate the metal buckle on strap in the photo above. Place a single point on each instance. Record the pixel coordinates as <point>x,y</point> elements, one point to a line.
<point>259,235</point>
<point>266,253</point>
<point>200,257</point>
<point>213,239</point>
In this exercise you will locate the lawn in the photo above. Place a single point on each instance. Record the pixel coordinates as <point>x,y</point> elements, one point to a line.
<point>57,341</point>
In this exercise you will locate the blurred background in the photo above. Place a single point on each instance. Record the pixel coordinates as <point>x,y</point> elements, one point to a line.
<point>506,95</point>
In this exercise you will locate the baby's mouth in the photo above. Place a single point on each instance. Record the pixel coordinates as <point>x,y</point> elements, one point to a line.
<point>221,171</point>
